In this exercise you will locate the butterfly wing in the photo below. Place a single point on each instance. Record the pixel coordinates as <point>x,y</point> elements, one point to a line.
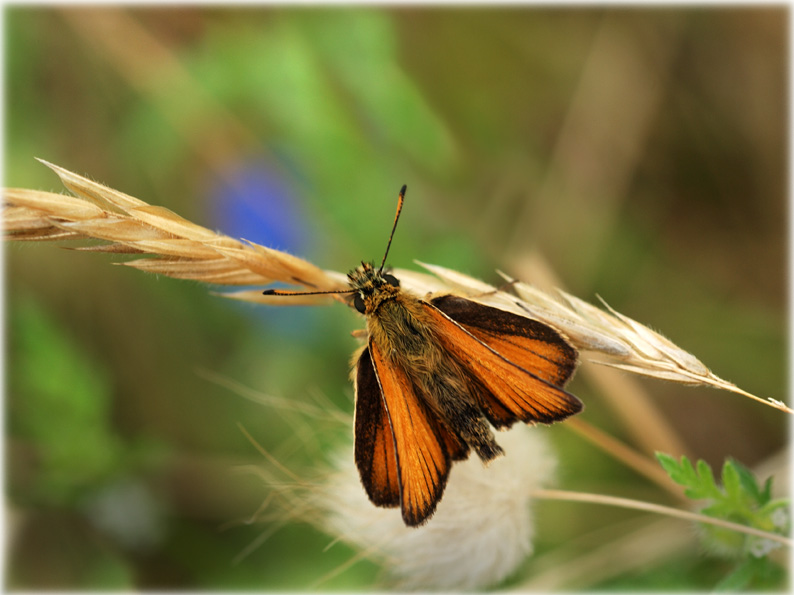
<point>415,464</point>
<point>374,443</point>
<point>520,363</point>
<point>513,336</point>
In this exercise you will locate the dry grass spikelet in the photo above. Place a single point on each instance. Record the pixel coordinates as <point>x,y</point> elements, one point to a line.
<point>618,341</point>
<point>172,245</point>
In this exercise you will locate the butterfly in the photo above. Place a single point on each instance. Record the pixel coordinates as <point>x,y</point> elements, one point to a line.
<point>436,374</point>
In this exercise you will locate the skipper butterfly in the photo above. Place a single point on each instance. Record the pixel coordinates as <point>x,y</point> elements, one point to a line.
<point>434,376</point>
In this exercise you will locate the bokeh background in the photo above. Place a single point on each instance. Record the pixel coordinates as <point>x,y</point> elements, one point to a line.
<point>634,154</point>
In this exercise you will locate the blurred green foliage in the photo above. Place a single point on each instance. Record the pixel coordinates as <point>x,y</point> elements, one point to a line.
<point>641,152</point>
<point>58,379</point>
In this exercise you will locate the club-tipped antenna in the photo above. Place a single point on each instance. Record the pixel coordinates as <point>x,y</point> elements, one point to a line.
<point>400,200</point>
<point>287,292</point>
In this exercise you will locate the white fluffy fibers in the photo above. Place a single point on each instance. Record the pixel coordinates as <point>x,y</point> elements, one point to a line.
<point>480,533</point>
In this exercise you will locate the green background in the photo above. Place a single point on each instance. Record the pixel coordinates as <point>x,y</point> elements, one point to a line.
<point>641,153</point>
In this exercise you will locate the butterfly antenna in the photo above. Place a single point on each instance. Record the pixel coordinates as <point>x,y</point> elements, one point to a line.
<point>400,200</point>
<point>284,292</point>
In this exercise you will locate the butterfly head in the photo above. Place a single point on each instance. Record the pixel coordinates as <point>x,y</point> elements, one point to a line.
<point>371,287</point>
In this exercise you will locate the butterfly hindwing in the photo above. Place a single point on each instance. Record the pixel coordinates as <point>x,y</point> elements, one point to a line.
<point>520,364</point>
<point>514,336</point>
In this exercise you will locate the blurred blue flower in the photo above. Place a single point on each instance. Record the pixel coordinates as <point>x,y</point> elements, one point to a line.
<point>253,202</point>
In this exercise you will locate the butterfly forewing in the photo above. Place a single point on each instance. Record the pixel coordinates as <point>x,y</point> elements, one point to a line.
<point>421,455</point>
<point>374,444</point>
<point>522,368</point>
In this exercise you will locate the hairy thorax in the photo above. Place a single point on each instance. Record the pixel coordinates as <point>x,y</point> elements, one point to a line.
<point>403,330</point>
<point>411,340</point>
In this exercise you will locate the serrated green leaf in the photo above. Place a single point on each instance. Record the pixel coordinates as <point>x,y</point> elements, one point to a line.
<point>706,482</point>
<point>668,463</point>
<point>738,500</point>
<point>749,484</point>
<point>731,481</point>
<point>684,473</point>
<point>698,484</point>
<point>766,495</point>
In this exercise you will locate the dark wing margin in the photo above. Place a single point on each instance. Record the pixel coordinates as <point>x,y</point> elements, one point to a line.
<point>374,441</point>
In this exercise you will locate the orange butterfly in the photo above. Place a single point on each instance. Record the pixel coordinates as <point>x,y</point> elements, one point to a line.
<point>432,379</point>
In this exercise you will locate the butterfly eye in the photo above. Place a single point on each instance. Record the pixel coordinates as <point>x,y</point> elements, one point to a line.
<point>358,302</point>
<point>391,280</point>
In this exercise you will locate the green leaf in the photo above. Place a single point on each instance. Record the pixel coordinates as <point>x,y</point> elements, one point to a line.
<point>739,500</point>
<point>682,473</point>
<point>699,484</point>
<point>668,462</point>
<point>731,482</point>
<point>766,494</point>
<point>752,574</point>
<point>739,579</point>
<point>750,484</point>
<point>706,485</point>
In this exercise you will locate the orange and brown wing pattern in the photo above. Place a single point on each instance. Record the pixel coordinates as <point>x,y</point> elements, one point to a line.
<point>521,364</point>
<point>515,337</point>
<point>374,444</point>
<point>457,449</point>
<point>421,455</point>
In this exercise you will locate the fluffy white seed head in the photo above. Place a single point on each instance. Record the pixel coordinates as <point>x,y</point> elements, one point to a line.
<point>481,532</point>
